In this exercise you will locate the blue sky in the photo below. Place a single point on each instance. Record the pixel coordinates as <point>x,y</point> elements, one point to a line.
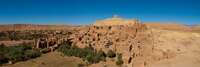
<point>87,11</point>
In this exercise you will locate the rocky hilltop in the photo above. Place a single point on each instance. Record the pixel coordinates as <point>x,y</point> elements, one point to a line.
<point>127,37</point>
<point>142,45</point>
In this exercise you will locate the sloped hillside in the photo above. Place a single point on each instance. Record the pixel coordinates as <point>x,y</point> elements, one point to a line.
<point>132,41</point>
<point>169,26</point>
<point>143,45</point>
<point>175,49</point>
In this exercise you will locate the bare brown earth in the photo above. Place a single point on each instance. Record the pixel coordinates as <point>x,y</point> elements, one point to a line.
<point>174,26</point>
<point>169,26</point>
<point>175,49</point>
<point>175,45</point>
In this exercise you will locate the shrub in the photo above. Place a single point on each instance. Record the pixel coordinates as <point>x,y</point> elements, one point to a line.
<point>3,48</point>
<point>3,36</point>
<point>45,50</point>
<point>80,65</point>
<point>109,27</point>
<point>17,53</point>
<point>24,46</point>
<point>14,36</point>
<point>65,46</point>
<point>3,59</point>
<point>119,60</point>
<point>101,55</point>
<point>32,53</point>
<point>87,53</point>
<point>111,54</point>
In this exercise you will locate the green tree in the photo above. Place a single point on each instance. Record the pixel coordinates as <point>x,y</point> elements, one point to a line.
<point>32,53</point>
<point>119,60</point>
<point>15,54</point>
<point>111,54</point>
<point>14,36</point>
<point>3,58</point>
<point>102,55</point>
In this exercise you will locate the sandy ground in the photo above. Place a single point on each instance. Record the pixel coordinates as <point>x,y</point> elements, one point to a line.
<point>176,49</point>
<point>109,63</point>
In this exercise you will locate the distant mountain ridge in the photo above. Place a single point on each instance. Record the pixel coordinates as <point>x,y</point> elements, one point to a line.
<point>16,27</point>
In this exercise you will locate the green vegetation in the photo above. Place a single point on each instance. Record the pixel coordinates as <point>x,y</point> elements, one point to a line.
<point>88,54</point>
<point>2,58</point>
<point>45,50</point>
<point>111,54</point>
<point>80,65</point>
<point>17,53</point>
<point>119,60</point>
<point>32,53</point>
<point>3,36</point>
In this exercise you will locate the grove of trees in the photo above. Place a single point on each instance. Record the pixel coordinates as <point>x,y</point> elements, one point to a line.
<point>119,60</point>
<point>17,53</point>
<point>88,53</point>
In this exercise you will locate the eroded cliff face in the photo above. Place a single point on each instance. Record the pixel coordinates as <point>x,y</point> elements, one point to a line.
<point>132,40</point>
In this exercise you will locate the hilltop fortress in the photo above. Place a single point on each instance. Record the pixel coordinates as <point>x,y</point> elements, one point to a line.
<point>127,37</point>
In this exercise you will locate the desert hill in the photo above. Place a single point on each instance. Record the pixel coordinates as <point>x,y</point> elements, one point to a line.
<point>129,40</point>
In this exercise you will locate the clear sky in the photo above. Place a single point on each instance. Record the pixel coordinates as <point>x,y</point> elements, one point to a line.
<point>87,11</point>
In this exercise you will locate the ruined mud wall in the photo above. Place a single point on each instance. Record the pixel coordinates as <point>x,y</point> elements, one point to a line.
<point>130,40</point>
